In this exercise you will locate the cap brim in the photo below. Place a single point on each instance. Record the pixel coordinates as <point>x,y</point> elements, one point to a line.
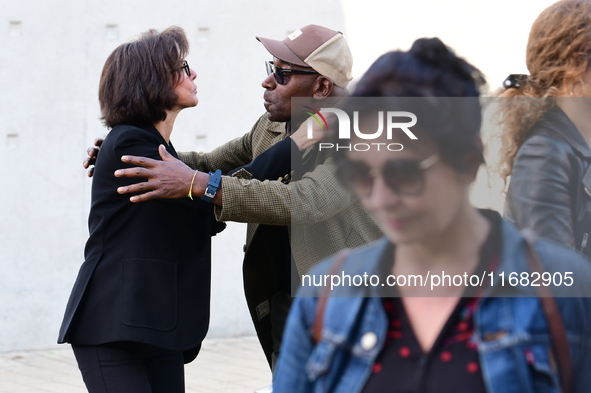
<point>281,51</point>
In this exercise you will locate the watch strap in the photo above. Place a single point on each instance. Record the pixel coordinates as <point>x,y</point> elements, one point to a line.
<point>215,179</point>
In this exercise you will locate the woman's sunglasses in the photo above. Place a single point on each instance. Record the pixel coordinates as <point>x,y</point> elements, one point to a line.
<point>279,73</point>
<point>186,68</point>
<point>404,177</point>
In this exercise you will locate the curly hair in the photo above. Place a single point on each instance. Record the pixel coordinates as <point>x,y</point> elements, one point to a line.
<point>558,54</point>
<point>138,79</point>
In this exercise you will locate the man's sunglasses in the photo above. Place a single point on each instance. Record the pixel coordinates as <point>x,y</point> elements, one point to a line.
<point>279,73</point>
<point>186,68</point>
<point>404,177</point>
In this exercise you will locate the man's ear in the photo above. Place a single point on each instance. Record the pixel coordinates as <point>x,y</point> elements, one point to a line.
<point>322,87</point>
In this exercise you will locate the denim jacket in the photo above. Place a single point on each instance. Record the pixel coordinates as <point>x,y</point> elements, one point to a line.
<point>510,332</point>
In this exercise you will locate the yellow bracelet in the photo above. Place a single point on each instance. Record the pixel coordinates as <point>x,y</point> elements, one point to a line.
<point>191,187</point>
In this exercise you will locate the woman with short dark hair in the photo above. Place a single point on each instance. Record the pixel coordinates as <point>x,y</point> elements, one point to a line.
<point>139,79</point>
<point>140,306</point>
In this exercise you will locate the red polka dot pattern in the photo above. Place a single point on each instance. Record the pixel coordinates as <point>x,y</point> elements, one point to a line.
<point>404,352</point>
<point>454,354</point>
<point>377,367</point>
<point>451,365</point>
<point>446,356</point>
<point>472,367</point>
<point>395,334</point>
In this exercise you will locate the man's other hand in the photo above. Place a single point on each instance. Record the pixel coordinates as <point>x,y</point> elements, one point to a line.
<point>168,179</point>
<point>92,152</point>
<point>304,139</point>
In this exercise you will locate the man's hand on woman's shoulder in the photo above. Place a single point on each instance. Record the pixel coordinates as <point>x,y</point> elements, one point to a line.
<point>92,153</point>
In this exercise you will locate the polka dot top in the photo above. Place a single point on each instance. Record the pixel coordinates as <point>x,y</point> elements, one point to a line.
<point>452,363</point>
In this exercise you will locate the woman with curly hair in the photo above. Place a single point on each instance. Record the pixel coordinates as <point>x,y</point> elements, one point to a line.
<point>546,118</point>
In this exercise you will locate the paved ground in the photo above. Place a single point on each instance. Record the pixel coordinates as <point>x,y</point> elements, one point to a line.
<point>228,365</point>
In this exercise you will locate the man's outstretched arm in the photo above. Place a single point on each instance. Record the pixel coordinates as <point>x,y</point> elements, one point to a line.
<point>169,178</point>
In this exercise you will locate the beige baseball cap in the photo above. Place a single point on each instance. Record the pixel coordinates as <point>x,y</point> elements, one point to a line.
<point>321,48</point>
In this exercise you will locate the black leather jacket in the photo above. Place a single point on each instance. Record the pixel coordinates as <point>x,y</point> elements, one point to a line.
<point>550,188</point>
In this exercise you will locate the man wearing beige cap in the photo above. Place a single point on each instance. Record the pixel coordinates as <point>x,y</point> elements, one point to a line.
<point>313,61</point>
<point>323,50</point>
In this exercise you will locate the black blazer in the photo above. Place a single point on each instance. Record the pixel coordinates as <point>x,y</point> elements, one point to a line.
<point>146,275</point>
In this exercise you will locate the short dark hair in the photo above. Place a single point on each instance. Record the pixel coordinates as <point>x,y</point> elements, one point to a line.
<point>431,69</point>
<point>138,79</point>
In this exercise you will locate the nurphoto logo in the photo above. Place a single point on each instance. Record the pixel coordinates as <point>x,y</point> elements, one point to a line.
<point>390,118</point>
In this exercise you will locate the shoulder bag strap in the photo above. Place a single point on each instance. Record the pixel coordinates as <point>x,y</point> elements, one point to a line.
<point>336,266</point>
<point>555,324</point>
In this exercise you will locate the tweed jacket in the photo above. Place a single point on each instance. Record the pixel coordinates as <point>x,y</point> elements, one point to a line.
<point>322,216</point>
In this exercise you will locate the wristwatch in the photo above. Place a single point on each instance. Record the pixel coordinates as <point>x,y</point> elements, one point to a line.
<point>212,186</point>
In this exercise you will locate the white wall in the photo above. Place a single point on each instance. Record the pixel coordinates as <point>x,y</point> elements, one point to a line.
<point>51,54</point>
<point>492,35</point>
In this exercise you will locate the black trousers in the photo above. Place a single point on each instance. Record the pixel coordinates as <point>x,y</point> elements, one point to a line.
<point>280,304</point>
<point>129,367</point>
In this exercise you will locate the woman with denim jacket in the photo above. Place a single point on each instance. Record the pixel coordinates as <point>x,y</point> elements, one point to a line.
<point>383,329</point>
<point>546,118</point>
